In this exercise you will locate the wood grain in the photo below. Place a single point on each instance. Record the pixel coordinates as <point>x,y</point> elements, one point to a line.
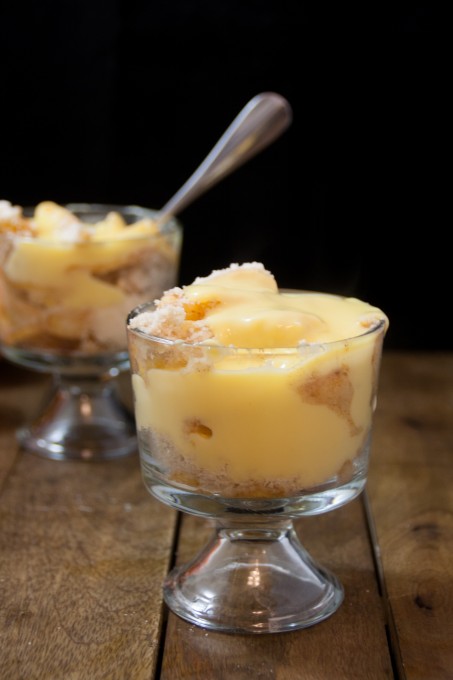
<point>411,499</point>
<point>83,552</point>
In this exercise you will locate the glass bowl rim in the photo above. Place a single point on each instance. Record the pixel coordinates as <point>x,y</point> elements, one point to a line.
<point>379,326</point>
<point>170,227</point>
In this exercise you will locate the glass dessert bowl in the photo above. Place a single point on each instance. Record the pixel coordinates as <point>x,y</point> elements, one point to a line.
<point>68,277</point>
<point>254,436</point>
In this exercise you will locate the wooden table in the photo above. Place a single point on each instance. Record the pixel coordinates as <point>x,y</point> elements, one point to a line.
<point>84,549</point>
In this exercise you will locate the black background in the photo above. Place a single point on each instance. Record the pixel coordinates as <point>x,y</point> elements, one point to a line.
<point>118,102</point>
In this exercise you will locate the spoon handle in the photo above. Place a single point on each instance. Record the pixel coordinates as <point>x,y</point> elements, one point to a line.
<point>261,121</point>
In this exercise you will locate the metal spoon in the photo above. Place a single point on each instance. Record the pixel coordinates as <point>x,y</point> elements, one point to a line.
<point>259,123</point>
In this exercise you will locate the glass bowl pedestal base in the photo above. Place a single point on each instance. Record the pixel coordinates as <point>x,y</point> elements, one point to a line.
<point>81,420</point>
<point>254,576</point>
<point>83,417</point>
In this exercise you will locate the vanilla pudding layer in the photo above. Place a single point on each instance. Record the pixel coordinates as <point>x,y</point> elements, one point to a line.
<point>222,417</point>
<point>68,286</point>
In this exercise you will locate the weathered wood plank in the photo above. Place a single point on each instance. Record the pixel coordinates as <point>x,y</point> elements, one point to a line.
<point>411,498</point>
<point>351,644</point>
<point>83,552</point>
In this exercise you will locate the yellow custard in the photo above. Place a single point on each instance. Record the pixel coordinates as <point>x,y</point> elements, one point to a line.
<point>261,392</point>
<point>67,285</point>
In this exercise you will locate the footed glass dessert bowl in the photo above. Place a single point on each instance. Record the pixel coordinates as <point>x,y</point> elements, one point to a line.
<point>253,437</point>
<point>68,277</point>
